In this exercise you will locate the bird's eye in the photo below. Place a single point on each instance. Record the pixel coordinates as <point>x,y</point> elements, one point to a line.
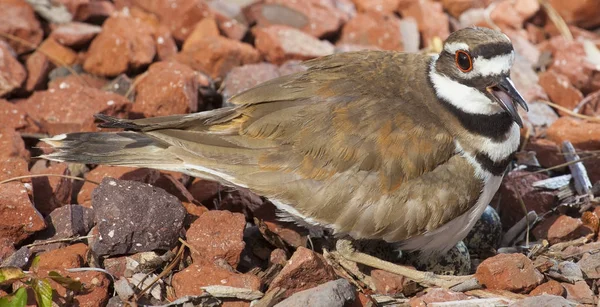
<point>463,61</point>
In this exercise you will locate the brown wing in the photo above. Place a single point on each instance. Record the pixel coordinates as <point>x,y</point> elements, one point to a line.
<point>332,142</point>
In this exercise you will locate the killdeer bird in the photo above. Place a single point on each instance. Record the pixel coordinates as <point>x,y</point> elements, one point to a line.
<point>406,148</point>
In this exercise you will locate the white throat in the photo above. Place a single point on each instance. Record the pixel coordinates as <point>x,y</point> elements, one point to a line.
<point>465,98</point>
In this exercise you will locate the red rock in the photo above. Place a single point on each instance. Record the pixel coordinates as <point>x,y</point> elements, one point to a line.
<point>430,17</point>
<point>19,217</point>
<point>165,43</point>
<point>57,53</point>
<point>560,90</point>
<point>124,43</point>
<point>11,144</point>
<point>38,67</point>
<point>85,80</point>
<point>190,280</point>
<point>516,186</point>
<point>305,269</point>
<point>512,272</point>
<point>551,287</point>
<point>546,151</point>
<point>72,256</point>
<point>539,117</point>
<point>217,235</point>
<point>385,7</point>
<point>280,43</point>
<point>225,15</point>
<point>12,73</point>
<point>180,17</point>
<point>204,28</point>
<point>579,292</point>
<point>579,12</point>
<point>569,59</point>
<point>287,233</point>
<point>217,55</point>
<point>13,116</point>
<point>94,10</point>
<point>51,192</point>
<point>205,190</point>
<point>72,108</point>
<point>314,17</point>
<point>373,30</point>
<point>194,209</point>
<point>566,228</point>
<point>75,34</point>
<point>584,135</point>
<point>436,295</point>
<point>512,14</point>
<point>457,7</point>
<point>540,230</point>
<point>245,77</point>
<point>167,88</point>
<point>593,168</point>
<point>388,283</point>
<point>14,167</point>
<point>590,265</point>
<point>278,256</point>
<point>18,19</point>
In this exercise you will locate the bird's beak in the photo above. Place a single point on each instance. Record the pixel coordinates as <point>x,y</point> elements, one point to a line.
<point>507,95</point>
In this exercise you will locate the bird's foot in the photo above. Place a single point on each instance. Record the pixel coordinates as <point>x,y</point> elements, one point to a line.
<point>347,250</point>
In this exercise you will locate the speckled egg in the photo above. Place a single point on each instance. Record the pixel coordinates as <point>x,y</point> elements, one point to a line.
<point>485,236</point>
<point>456,261</point>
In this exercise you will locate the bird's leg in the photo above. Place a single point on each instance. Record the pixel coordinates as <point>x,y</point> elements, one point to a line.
<point>347,250</point>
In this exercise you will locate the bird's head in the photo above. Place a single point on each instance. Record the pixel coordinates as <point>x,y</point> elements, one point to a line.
<point>472,72</point>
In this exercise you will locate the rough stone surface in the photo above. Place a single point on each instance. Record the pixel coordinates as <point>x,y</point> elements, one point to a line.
<point>13,116</point>
<point>547,152</point>
<point>18,19</point>
<point>68,221</point>
<point>217,235</point>
<point>247,76</point>
<point>512,272</point>
<point>566,228</point>
<point>19,217</point>
<point>51,192</point>
<point>584,135</point>
<point>436,295</point>
<point>134,217</point>
<point>305,269</point>
<point>388,283</point>
<point>71,108</point>
<point>560,90</point>
<point>281,43</point>
<point>579,12</point>
<point>314,17</point>
<point>11,144</point>
<point>337,293</point>
<point>579,292</point>
<point>168,88</point>
<point>12,73</point>
<point>570,59</point>
<point>543,300</point>
<point>551,287</point>
<point>590,265</point>
<point>517,184</point>
<point>430,18</point>
<point>190,280</point>
<point>38,67</point>
<point>57,53</point>
<point>74,34</point>
<point>124,43</point>
<point>373,30</point>
<point>217,55</point>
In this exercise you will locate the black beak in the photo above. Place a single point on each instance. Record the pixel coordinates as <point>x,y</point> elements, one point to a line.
<point>507,95</point>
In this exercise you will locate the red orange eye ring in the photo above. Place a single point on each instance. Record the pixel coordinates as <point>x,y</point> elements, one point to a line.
<point>463,61</point>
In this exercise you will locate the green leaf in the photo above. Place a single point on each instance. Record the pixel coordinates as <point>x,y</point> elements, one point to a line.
<point>43,292</point>
<point>66,282</point>
<point>10,274</point>
<point>35,263</point>
<point>17,299</point>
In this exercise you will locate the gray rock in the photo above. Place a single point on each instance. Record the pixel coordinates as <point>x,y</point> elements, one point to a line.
<point>68,221</point>
<point>19,259</point>
<point>133,217</point>
<point>570,270</point>
<point>590,265</point>
<point>543,300</point>
<point>335,293</point>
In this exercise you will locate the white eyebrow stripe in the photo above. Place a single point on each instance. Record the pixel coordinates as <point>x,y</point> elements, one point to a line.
<point>453,47</point>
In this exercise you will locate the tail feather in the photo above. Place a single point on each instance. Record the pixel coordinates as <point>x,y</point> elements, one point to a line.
<point>112,148</point>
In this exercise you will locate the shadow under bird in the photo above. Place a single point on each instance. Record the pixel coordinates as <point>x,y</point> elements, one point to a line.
<point>406,148</point>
